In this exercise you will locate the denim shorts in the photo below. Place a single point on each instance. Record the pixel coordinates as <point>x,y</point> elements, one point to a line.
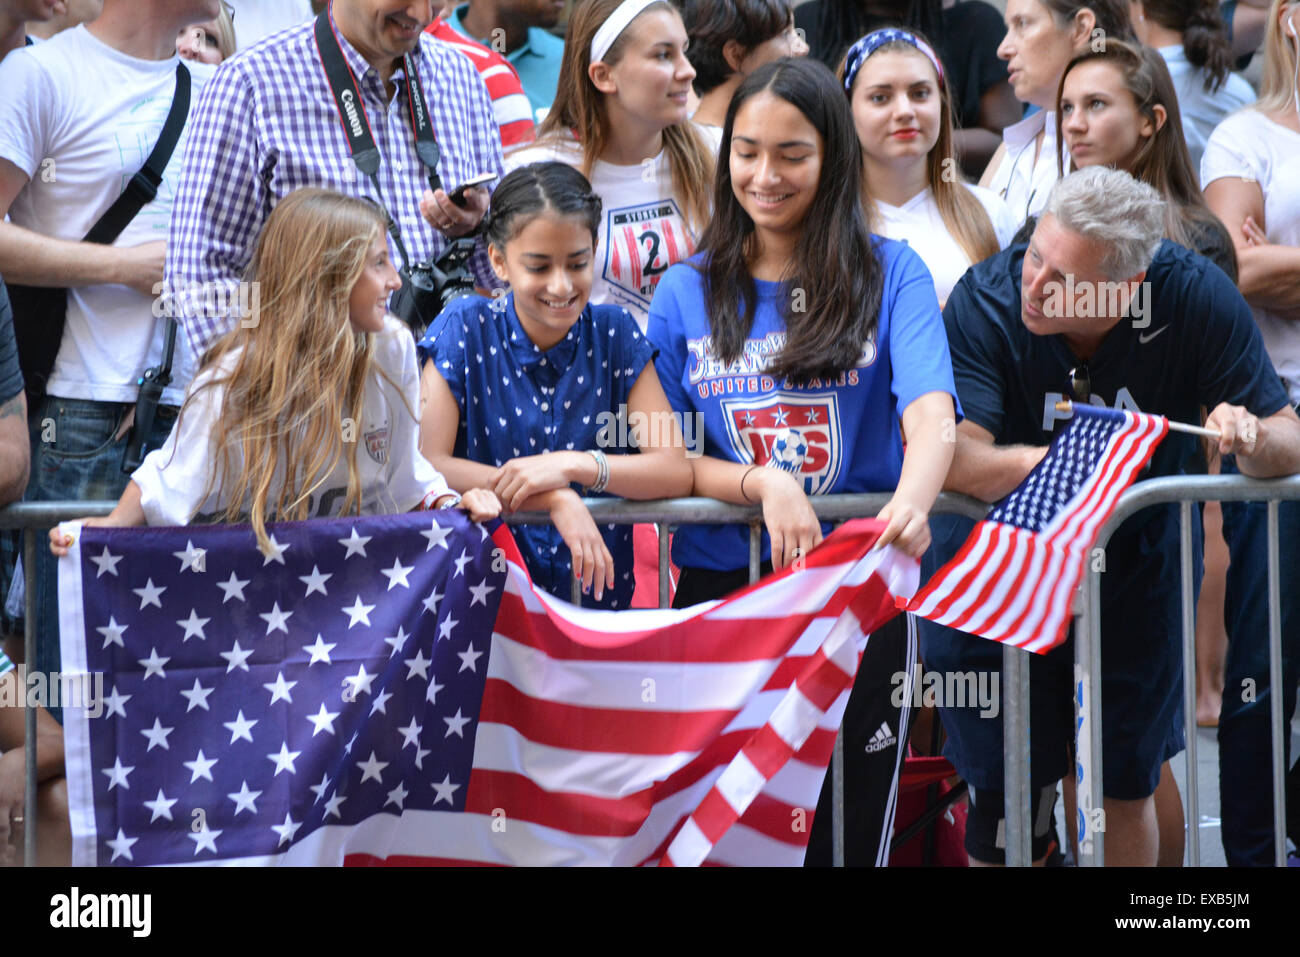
<point>76,456</point>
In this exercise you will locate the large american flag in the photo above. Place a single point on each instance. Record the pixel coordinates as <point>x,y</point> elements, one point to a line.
<point>393,690</point>
<point>1014,579</point>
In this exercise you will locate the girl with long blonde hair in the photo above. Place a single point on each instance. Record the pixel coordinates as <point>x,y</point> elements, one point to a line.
<point>621,116</point>
<point>309,406</point>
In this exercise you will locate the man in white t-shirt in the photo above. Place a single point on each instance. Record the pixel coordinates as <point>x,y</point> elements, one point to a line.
<point>79,116</point>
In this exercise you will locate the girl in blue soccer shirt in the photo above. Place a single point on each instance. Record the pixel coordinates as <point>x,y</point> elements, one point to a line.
<point>522,393</point>
<point>801,340</point>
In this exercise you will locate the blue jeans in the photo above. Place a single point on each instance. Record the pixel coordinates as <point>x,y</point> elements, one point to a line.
<point>1245,757</point>
<point>75,457</point>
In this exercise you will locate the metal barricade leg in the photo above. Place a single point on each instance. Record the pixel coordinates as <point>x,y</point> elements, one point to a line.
<point>29,713</point>
<point>837,801</point>
<point>1192,802</point>
<point>1015,756</point>
<point>1275,688</point>
<point>664,531</point>
<point>1087,698</point>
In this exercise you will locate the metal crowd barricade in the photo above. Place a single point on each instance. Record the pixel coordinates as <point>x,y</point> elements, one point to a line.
<point>35,518</point>
<point>1186,490</point>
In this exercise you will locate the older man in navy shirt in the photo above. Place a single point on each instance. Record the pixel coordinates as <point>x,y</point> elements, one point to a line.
<point>1135,322</point>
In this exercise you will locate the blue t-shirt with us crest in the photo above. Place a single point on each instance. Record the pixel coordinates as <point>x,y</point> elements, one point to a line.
<point>835,435</point>
<point>518,400</point>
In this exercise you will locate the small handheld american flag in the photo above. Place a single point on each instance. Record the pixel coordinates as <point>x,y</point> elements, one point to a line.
<point>1013,579</point>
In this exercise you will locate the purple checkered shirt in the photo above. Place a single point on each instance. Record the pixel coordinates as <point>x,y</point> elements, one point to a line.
<point>266,124</point>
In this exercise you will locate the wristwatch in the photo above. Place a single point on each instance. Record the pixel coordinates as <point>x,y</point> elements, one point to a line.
<point>451,502</point>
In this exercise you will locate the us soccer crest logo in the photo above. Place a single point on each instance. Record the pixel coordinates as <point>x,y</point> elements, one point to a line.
<point>641,242</point>
<point>377,445</point>
<point>795,433</point>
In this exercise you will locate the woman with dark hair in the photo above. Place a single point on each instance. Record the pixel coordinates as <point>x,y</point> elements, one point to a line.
<point>897,90</point>
<point>965,35</point>
<point>519,391</point>
<point>730,39</point>
<point>1193,39</point>
<point>1042,37</point>
<point>797,341</point>
<point>1117,107</point>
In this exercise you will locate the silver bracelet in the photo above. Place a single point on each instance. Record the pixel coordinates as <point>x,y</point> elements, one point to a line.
<point>602,471</point>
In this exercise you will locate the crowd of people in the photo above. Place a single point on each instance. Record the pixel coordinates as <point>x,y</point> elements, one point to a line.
<point>833,238</point>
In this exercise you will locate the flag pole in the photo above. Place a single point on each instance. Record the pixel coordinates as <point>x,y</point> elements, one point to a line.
<point>1065,405</point>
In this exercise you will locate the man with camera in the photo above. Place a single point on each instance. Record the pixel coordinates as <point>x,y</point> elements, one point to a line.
<point>330,104</point>
<point>89,123</point>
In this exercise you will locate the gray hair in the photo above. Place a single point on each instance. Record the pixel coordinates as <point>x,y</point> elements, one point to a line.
<point>1109,206</point>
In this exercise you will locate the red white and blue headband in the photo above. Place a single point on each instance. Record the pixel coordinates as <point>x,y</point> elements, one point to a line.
<point>873,41</point>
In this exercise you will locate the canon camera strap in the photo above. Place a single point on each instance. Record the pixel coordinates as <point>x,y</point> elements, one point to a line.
<point>361,143</point>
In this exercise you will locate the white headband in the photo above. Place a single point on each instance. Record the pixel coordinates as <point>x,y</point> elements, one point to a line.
<point>614,26</point>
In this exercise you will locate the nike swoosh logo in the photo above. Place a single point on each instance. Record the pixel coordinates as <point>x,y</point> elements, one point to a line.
<point>1146,337</point>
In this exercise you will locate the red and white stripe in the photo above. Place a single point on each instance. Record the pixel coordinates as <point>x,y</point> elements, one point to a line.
<point>688,736</point>
<point>1014,586</point>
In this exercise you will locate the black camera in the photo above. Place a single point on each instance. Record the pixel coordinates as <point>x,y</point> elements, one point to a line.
<point>428,288</point>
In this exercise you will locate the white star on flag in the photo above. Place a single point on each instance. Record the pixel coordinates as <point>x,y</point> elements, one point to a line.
<point>445,790</point>
<point>237,657</point>
<point>286,830</point>
<point>232,587</point>
<point>240,728</point>
<point>280,689</point>
<point>397,575</point>
<point>456,724</point>
<point>112,632</point>
<point>437,535</point>
<point>358,613</point>
<point>200,767</point>
<point>157,736</point>
<point>193,626</point>
<point>153,665</point>
<point>355,544</point>
<point>276,619</point>
<point>121,846</point>
<point>149,594</point>
<point>161,806</point>
<point>322,720</point>
<point>192,558</point>
<point>244,799</point>
<point>106,562</point>
<point>315,581</point>
<point>274,552</point>
<point>371,768</point>
<point>284,760</point>
<point>117,775</point>
<point>320,651</point>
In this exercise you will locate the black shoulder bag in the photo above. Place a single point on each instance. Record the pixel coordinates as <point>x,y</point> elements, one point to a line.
<point>41,311</point>
<point>426,286</point>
